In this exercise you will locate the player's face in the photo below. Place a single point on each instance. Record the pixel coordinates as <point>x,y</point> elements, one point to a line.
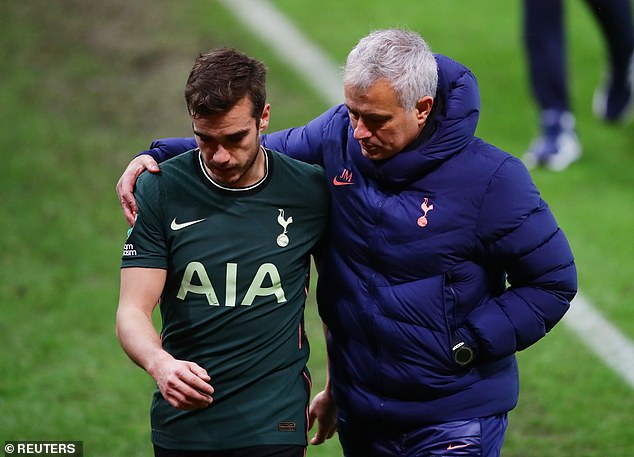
<point>230,144</point>
<point>381,126</point>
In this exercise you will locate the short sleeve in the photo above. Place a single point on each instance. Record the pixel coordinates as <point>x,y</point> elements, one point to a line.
<point>146,245</point>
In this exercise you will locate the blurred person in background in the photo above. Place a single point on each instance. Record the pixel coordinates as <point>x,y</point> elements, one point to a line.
<point>558,145</point>
<point>428,223</point>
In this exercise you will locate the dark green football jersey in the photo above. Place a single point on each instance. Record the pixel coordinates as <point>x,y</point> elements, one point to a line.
<point>237,264</point>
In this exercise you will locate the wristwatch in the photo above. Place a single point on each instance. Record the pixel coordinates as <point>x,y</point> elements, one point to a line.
<point>462,353</point>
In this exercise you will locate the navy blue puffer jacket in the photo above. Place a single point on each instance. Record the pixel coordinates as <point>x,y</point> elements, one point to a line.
<point>447,240</point>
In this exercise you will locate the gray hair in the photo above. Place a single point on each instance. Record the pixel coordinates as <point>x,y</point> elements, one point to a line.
<point>402,57</point>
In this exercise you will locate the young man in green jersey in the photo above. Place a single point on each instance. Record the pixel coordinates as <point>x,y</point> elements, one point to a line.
<point>223,239</point>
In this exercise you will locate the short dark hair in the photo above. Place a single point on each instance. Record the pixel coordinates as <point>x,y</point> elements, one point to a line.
<point>221,78</point>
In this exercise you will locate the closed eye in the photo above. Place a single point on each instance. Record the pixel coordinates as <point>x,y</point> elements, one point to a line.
<point>236,138</point>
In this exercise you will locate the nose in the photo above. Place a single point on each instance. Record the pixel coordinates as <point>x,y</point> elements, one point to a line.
<point>361,131</point>
<point>220,156</point>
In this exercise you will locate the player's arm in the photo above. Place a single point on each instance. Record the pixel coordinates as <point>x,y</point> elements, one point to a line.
<point>185,385</point>
<point>323,409</point>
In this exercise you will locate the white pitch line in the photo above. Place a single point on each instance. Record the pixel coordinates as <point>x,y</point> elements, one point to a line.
<point>290,44</point>
<point>596,332</point>
<point>603,338</point>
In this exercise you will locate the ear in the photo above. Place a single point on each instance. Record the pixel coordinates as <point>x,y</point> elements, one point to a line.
<point>423,108</point>
<point>264,118</point>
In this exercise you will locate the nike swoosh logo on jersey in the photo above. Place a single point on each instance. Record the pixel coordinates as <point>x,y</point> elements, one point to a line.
<point>176,226</point>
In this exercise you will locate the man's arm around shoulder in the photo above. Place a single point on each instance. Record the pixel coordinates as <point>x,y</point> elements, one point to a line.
<point>159,151</point>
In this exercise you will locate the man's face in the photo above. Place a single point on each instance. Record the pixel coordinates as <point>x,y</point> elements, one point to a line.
<point>230,144</point>
<point>380,124</point>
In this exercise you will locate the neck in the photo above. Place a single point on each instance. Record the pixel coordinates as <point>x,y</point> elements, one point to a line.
<point>257,170</point>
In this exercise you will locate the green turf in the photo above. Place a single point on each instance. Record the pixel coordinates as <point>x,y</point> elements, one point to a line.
<point>83,85</point>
